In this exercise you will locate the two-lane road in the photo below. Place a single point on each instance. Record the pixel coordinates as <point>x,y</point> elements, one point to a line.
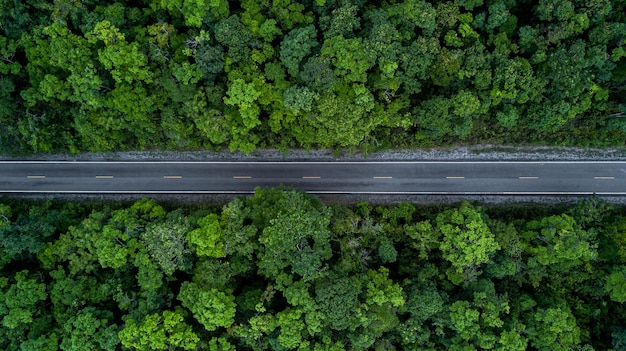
<point>415,177</point>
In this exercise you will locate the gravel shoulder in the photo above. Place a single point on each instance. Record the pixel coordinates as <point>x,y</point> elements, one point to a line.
<point>477,152</point>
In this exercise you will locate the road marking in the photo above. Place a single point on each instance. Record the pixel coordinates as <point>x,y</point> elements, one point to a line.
<point>242,177</point>
<point>36,176</point>
<point>383,177</point>
<point>312,177</point>
<point>455,177</point>
<point>173,177</point>
<point>104,177</point>
<point>528,177</point>
<point>605,178</point>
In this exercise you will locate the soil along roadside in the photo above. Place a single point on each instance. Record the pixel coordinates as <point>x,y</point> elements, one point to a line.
<point>480,152</point>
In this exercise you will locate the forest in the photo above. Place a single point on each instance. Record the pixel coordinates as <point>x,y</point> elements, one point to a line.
<point>100,75</point>
<point>280,270</point>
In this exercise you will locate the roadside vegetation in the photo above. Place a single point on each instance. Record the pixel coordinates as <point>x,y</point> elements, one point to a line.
<point>100,75</point>
<point>282,271</point>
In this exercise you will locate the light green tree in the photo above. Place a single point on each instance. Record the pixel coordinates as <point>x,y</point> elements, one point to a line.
<point>349,57</point>
<point>194,11</point>
<point>124,60</point>
<point>210,307</point>
<point>243,96</point>
<point>559,242</point>
<point>554,328</point>
<point>207,239</point>
<point>467,240</point>
<point>616,284</point>
<point>160,331</point>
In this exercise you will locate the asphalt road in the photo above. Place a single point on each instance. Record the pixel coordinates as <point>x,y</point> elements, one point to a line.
<point>481,178</point>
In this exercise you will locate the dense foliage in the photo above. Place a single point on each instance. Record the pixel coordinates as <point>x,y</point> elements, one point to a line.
<point>185,74</point>
<point>282,271</point>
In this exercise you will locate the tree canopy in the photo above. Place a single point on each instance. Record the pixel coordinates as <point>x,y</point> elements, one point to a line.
<point>280,270</point>
<point>214,74</point>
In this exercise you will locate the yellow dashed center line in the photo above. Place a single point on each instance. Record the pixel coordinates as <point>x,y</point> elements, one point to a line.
<point>36,176</point>
<point>242,177</point>
<point>172,177</point>
<point>104,177</point>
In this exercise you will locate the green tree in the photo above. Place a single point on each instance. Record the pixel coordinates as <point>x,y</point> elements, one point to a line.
<point>554,328</point>
<point>288,13</point>
<point>318,74</point>
<point>616,284</point>
<point>386,250</point>
<point>292,329</point>
<point>30,231</point>
<point>210,122</point>
<point>446,67</point>
<point>479,321</point>
<point>411,14</point>
<point>70,293</point>
<point>151,293</point>
<point>295,46</point>
<point>297,238</point>
<point>84,247</point>
<point>19,299</point>
<point>210,307</point>
<point>425,305</point>
<point>343,20</point>
<point>467,240</point>
<point>193,11</point>
<point>567,70</point>
<point>378,311</point>
<point>433,117</point>
<point>465,105</point>
<point>349,57</point>
<point>338,300</point>
<point>498,15</point>
<point>243,96</point>
<point>299,99</point>
<point>511,340</point>
<point>240,236</point>
<point>8,63</point>
<point>159,331</point>
<point>124,61</point>
<point>559,242</point>
<point>514,81</point>
<point>167,243</point>
<point>90,330</point>
<point>231,33</point>
<point>424,238</point>
<point>416,60</point>
<point>207,239</point>
<point>340,120</point>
